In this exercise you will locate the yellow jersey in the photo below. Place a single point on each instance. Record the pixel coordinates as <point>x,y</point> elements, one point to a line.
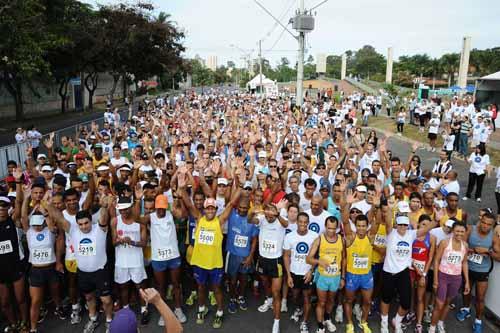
<point>331,252</point>
<point>380,241</point>
<point>359,256</point>
<point>458,216</point>
<point>207,251</point>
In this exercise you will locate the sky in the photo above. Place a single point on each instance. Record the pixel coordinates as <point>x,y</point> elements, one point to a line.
<point>231,29</point>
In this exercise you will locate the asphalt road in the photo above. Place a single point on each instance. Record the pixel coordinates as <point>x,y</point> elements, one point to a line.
<point>252,321</point>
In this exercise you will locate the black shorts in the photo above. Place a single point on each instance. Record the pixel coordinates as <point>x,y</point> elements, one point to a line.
<point>98,281</point>
<point>399,283</point>
<point>478,277</point>
<point>11,273</point>
<point>298,282</point>
<point>430,281</point>
<point>270,267</point>
<point>41,276</point>
<point>432,136</point>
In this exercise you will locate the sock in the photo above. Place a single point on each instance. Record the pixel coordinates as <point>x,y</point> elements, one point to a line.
<point>201,308</point>
<point>327,316</point>
<point>466,308</point>
<point>479,321</point>
<point>108,320</point>
<point>320,325</point>
<point>219,313</point>
<point>93,318</point>
<point>144,309</point>
<point>440,323</point>
<point>269,300</point>
<point>398,319</point>
<point>276,321</point>
<point>75,306</point>
<point>283,301</point>
<point>385,318</point>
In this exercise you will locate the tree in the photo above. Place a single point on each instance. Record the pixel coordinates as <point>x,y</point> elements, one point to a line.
<point>449,63</point>
<point>333,66</point>
<point>284,73</point>
<point>367,61</point>
<point>220,75</point>
<point>67,19</point>
<point>24,42</point>
<point>202,76</point>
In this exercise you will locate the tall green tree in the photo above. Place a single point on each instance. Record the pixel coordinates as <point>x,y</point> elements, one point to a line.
<point>24,43</point>
<point>449,63</point>
<point>333,66</point>
<point>367,61</point>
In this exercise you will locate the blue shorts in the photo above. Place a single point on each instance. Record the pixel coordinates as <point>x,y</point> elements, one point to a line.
<point>234,265</point>
<point>355,282</point>
<point>210,276</point>
<point>326,283</point>
<point>161,266</point>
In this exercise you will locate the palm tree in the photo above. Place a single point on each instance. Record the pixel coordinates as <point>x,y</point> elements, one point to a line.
<point>449,64</point>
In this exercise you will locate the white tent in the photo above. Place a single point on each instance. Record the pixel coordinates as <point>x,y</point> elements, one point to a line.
<point>488,89</point>
<point>269,86</point>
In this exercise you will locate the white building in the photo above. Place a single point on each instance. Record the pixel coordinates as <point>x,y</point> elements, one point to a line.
<point>212,62</point>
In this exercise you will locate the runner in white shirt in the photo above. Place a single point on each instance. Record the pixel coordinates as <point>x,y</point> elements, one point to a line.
<point>89,240</point>
<point>396,270</point>
<point>129,237</point>
<point>317,215</point>
<point>270,263</point>
<point>165,249</point>
<point>299,273</point>
<point>479,165</point>
<point>433,130</point>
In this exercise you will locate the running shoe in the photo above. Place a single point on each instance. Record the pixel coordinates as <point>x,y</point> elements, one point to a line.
<point>349,328</point>
<point>276,327</point>
<point>211,297</point>
<point>477,327</point>
<point>191,298</point>
<point>268,304</point>
<point>180,315</point>
<point>75,317</point>
<point>60,313</point>
<point>365,328</point>
<point>463,314</point>
<point>329,326</point>
<point>296,315</point>
<point>303,327</point>
<point>231,308</point>
<point>427,316</point>
<point>242,303</point>
<point>200,316</point>
<point>217,321</point>
<point>43,314</point>
<point>320,330</point>
<point>161,322</point>
<point>440,327</point>
<point>339,314</point>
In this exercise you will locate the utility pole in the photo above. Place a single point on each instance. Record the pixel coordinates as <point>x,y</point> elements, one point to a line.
<point>300,61</point>
<point>260,66</point>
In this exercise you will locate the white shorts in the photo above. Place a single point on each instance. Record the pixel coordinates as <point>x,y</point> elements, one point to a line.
<point>124,275</point>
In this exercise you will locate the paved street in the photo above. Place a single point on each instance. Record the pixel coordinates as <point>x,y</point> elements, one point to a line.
<point>253,321</point>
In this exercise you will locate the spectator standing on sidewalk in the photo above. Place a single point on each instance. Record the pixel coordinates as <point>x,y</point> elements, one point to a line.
<point>400,120</point>
<point>34,137</point>
<point>465,132</point>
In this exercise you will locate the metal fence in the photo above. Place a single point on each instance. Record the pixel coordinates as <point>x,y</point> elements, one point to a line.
<point>17,152</point>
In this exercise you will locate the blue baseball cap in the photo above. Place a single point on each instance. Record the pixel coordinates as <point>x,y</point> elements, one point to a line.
<point>124,321</point>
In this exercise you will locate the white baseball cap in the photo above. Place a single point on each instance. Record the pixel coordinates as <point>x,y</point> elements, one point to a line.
<point>262,154</point>
<point>403,207</point>
<point>403,220</point>
<point>222,181</point>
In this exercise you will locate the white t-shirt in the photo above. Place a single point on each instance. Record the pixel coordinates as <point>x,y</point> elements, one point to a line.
<point>434,125</point>
<point>449,140</point>
<point>271,237</point>
<point>317,223</point>
<point>90,248</point>
<point>478,163</point>
<point>362,205</point>
<point>399,250</point>
<point>299,245</point>
<point>440,235</point>
<point>452,186</point>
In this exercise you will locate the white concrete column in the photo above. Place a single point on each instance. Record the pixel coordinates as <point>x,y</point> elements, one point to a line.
<point>343,68</point>
<point>388,70</point>
<point>464,62</point>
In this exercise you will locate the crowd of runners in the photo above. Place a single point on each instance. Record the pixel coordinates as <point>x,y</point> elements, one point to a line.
<point>216,196</point>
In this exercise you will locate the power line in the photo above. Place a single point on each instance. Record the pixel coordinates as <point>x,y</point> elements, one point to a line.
<point>280,18</point>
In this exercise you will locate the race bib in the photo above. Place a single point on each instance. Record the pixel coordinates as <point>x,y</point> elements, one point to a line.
<point>475,258</point>
<point>42,255</point>
<point>206,237</point>
<point>332,269</point>
<point>300,258</point>
<point>86,249</point>
<point>379,240</point>
<point>269,246</point>
<point>6,247</point>
<point>360,262</point>
<point>240,241</point>
<point>454,259</point>
<point>420,265</point>
<point>165,253</point>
